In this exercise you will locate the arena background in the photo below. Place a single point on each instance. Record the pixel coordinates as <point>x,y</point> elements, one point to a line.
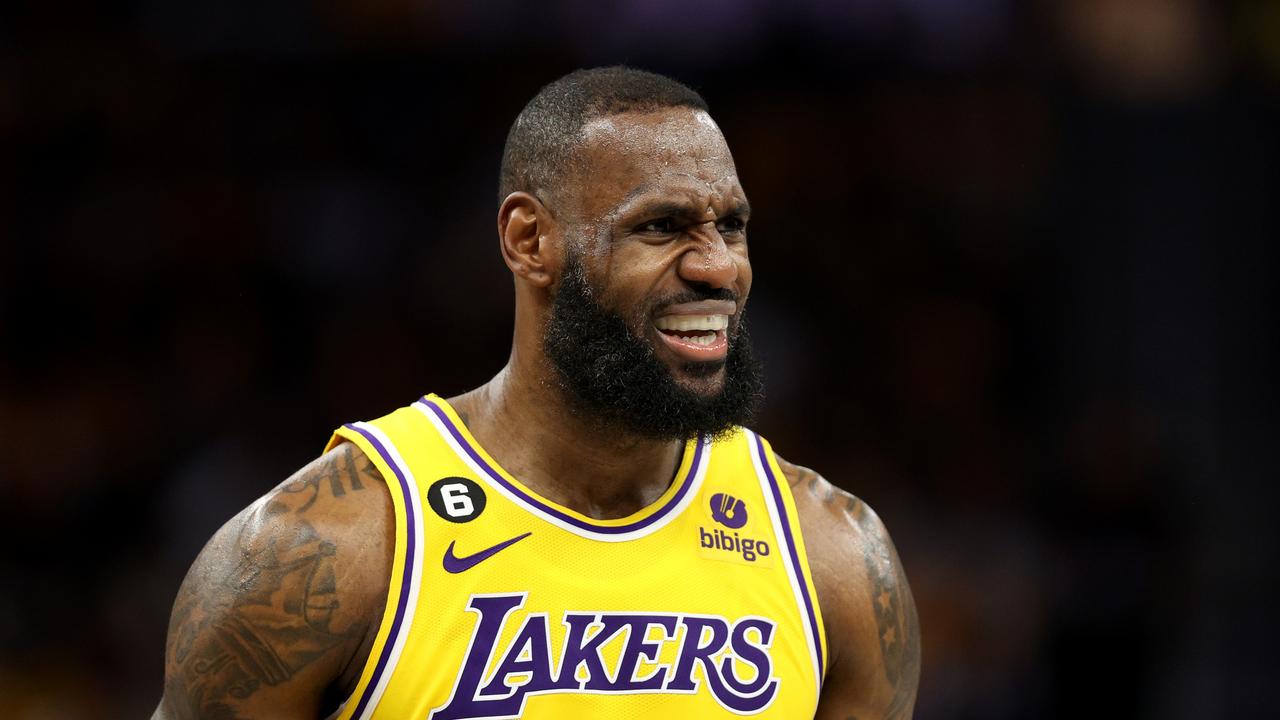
<point>1013,289</point>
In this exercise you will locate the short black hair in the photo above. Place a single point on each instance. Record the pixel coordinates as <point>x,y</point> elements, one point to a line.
<point>542,140</point>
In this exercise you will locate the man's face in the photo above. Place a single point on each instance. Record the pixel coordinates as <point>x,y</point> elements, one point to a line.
<point>647,318</point>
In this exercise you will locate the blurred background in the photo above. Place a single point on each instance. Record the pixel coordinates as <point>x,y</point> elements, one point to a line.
<point>1013,266</point>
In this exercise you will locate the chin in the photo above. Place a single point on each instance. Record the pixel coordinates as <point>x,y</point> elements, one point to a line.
<point>705,379</point>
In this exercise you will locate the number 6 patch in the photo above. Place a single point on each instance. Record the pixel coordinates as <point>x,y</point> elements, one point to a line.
<point>456,499</point>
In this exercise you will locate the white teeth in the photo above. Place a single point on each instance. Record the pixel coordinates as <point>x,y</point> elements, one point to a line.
<point>689,323</point>
<point>702,339</point>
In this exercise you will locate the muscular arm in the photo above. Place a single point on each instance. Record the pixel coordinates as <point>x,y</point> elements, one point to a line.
<point>873,634</point>
<point>277,614</point>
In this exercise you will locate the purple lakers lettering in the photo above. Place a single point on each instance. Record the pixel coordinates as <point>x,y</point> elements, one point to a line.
<point>527,666</point>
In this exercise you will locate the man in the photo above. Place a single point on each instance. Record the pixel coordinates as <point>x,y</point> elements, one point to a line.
<point>591,533</point>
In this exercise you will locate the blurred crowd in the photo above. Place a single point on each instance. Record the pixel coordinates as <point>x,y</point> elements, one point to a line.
<point>1012,288</point>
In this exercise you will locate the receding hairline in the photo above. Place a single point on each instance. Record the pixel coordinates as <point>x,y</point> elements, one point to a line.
<point>545,137</point>
<point>680,154</point>
<point>702,117</point>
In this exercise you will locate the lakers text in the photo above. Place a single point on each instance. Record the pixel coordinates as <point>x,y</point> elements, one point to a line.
<point>721,648</point>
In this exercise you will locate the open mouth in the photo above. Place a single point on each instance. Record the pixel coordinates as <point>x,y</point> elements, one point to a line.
<point>695,337</point>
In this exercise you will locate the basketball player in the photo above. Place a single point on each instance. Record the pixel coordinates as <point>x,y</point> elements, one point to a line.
<point>592,533</point>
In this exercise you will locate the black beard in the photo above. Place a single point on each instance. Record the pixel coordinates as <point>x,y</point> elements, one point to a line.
<point>610,373</point>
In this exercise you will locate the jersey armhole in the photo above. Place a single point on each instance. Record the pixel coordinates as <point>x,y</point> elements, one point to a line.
<point>780,492</point>
<point>405,569</point>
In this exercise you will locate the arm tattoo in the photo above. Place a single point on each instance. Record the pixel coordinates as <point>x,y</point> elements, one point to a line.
<point>828,494</point>
<point>331,475</point>
<point>896,623</point>
<point>269,614</point>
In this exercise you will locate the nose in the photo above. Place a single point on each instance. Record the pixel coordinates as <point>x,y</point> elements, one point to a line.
<point>708,261</point>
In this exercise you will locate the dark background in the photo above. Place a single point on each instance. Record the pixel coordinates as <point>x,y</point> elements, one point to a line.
<point>1013,289</point>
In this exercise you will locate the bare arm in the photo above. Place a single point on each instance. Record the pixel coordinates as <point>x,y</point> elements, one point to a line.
<point>873,634</point>
<point>277,614</point>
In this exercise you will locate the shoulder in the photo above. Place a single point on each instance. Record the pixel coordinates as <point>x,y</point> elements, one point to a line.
<point>339,507</point>
<point>277,613</point>
<point>872,630</point>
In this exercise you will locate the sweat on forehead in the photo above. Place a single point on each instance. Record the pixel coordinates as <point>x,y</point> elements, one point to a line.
<point>664,155</point>
<point>668,131</point>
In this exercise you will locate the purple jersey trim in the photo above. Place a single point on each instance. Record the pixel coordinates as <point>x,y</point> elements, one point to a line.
<point>685,484</point>
<point>797,568</point>
<point>403,601</point>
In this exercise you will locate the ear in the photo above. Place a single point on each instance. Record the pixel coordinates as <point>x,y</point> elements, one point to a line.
<point>526,234</point>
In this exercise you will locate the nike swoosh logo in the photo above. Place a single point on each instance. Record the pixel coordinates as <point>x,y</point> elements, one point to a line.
<point>454,564</point>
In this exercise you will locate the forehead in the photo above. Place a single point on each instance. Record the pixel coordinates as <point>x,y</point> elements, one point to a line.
<point>672,153</point>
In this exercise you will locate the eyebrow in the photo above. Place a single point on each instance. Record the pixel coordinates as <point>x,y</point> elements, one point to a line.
<point>684,210</point>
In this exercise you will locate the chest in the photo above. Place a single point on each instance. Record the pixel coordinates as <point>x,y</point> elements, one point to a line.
<point>504,605</point>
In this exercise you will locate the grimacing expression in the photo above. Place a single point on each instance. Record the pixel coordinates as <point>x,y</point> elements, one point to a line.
<point>613,377</point>
<point>646,328</point>
<point>661,215</point>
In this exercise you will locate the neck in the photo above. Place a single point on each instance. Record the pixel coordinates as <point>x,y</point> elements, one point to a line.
<point>532,430</point>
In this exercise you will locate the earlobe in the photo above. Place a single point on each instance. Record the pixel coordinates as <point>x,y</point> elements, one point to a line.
<point>523,223</point>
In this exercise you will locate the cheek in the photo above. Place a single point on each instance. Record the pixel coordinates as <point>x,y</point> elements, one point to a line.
<point>626,290</point>
<point>744,272</point>
<point>635,271</point>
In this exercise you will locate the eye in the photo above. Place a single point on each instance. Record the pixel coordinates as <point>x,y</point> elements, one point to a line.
<point>731,225</point>
<point>661,226</point>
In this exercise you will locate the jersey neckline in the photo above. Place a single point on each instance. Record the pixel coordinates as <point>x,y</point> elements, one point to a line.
<point>649,519</point>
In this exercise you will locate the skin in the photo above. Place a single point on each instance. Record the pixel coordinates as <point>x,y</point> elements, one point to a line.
<point>277,615</point>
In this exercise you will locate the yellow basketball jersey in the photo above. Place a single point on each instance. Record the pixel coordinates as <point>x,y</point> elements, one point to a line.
<point>505,605</point>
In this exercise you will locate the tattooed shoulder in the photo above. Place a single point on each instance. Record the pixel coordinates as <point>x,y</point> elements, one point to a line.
<point>897,626</point>
<point>861,584</point>
<point>338,472</point>
<point>818,488</point>
<point>279,593</point>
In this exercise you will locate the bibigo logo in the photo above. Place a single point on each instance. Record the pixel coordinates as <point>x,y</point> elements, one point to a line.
<point>731,512</point>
